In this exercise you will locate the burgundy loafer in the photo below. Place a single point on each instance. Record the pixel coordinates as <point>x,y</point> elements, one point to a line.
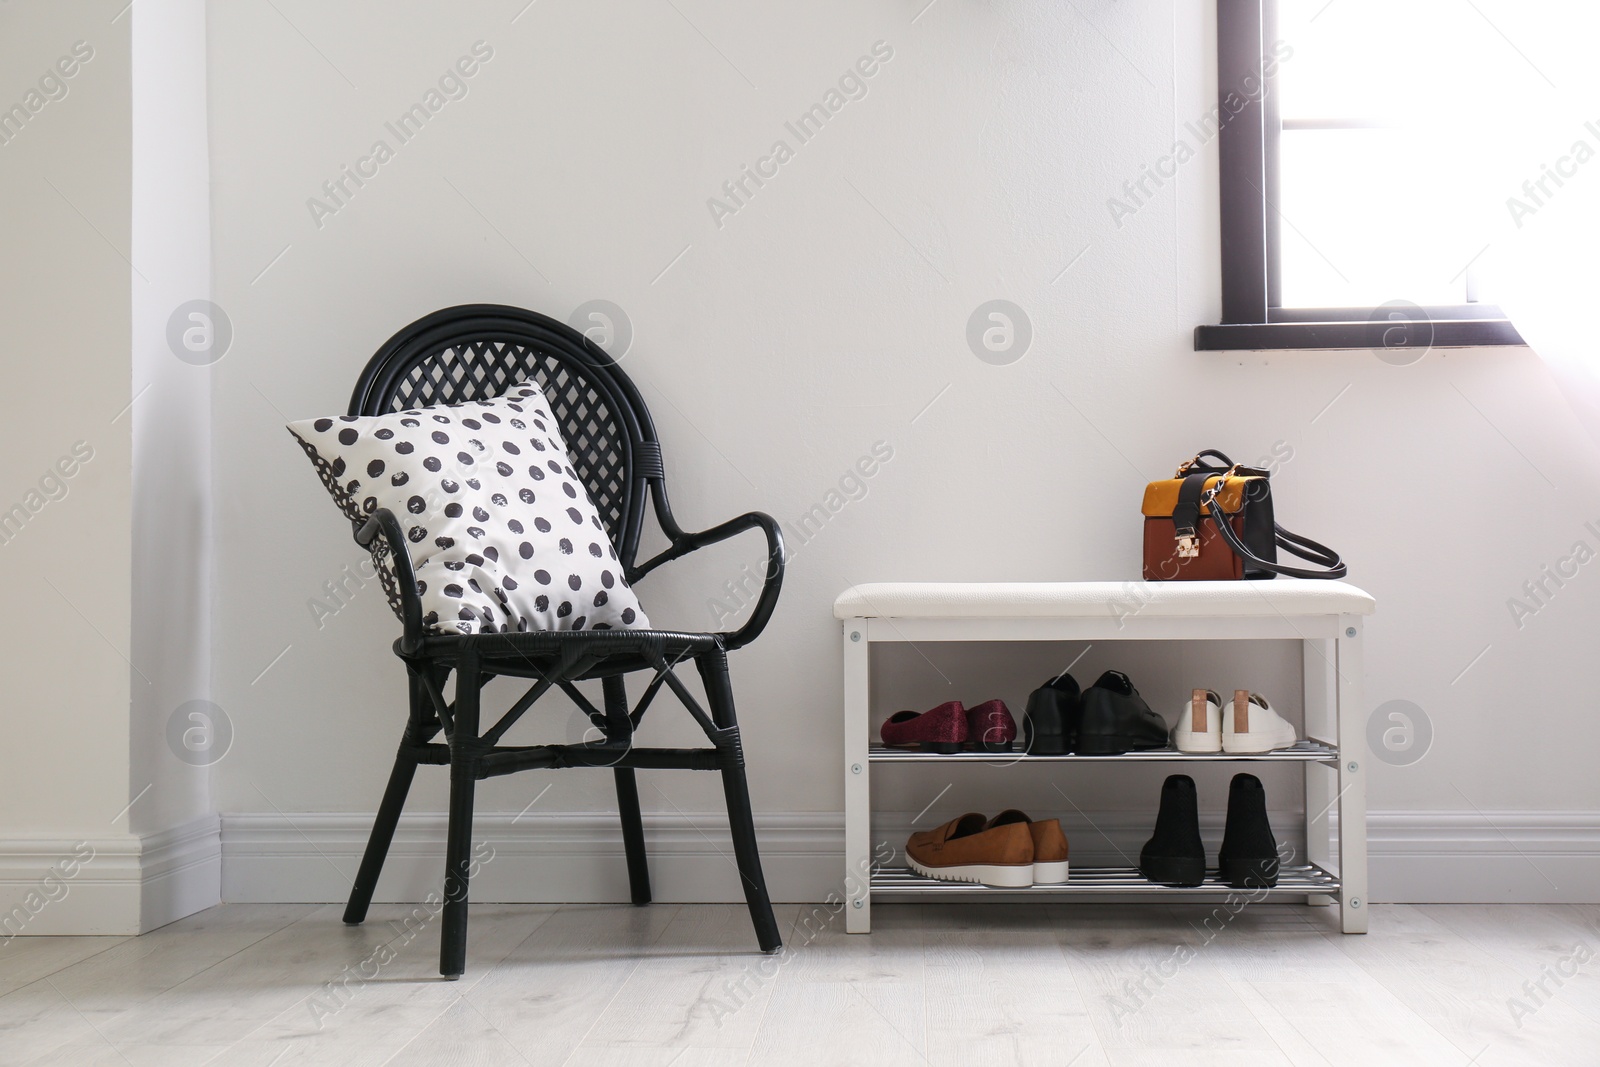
<point>990,726</point>
<point>943,729</point>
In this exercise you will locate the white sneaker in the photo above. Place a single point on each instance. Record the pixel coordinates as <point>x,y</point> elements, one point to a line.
<point>1199,726</point>
<point>1251,727</point>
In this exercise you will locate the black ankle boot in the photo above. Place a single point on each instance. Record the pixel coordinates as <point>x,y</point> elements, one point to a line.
<point>1249,856</point>
<point>1174,854</point>
<point>1050,727</point>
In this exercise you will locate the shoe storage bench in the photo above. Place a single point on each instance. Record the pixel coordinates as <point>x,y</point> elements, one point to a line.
<point>1325,617</point>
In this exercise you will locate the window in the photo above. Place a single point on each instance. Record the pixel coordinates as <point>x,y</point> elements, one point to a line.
<point>1355,160</point>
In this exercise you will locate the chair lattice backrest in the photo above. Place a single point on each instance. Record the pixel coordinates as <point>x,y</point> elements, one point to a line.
<point>478,370</point>
<point>475,352</point>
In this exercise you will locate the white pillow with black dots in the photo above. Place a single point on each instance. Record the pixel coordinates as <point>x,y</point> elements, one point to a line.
<point>505,537</point>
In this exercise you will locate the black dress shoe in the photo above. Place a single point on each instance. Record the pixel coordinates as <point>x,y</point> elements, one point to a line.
<point>1114,719</point>
<point>1050,727</point>
<point>1249,856</point>
<point>1174,854</point>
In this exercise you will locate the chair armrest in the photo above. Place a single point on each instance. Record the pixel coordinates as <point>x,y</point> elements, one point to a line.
<point>686,543</point>
<point>383,522</point>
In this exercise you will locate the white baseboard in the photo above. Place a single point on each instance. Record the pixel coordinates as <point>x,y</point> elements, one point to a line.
<point>109,884</point>
<point>1415,857</point>
<point>180,872</point>
<point>1495,857</point>
<point>125,884</point>
<point>536,858</point>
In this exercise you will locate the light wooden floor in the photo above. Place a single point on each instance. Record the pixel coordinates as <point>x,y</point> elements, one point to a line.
<point>1080,985</point>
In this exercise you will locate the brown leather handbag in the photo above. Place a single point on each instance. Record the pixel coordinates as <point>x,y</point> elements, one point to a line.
<point>1213,521</point>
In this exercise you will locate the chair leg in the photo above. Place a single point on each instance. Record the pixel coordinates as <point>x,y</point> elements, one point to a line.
<point>741,819</point>
<point>633,835</point>
<point>458,860</point>
<point>616,697</point>
<point>458,846</point>
<point>394,799</point>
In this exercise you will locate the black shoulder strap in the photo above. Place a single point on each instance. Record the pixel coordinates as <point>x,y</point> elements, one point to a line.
<point>1303,547</point>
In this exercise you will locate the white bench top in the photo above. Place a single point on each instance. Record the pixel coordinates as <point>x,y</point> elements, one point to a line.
<point>1000,600</point>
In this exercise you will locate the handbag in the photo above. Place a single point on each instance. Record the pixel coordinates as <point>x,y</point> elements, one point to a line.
<point>1213,521</point>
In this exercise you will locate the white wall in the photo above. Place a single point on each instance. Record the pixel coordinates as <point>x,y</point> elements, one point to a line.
<point>829,313</point>
<point>103,828</point>
<point>64,575</point>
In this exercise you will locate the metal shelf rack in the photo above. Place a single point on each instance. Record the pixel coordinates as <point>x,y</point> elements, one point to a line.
<point>1302,752</point>
<point>1096,881</point>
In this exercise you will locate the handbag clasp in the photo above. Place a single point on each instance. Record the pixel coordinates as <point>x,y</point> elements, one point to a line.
<point>1211,494</point>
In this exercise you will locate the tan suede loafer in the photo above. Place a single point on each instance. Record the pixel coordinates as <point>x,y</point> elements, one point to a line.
<point>1049,845</point>
<point>968,849</point>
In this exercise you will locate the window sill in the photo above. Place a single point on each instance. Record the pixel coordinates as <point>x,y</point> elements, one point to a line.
<point>1275,336</point>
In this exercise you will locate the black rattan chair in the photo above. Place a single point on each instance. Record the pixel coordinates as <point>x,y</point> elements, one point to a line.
<point>475,351</point>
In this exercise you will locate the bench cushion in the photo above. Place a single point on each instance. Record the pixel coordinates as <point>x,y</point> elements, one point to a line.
<point>998,600</point>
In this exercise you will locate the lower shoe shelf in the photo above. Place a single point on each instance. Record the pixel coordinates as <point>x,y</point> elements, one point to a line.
<point>1308,878</point>
<point>1301,752</point>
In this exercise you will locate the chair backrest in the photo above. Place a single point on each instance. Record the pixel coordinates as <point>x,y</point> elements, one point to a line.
<point>475,351</point>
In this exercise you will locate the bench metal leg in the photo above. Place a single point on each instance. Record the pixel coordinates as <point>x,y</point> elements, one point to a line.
<point>1353,903</point>
<point>857,782</point>
<point>1321,696</point>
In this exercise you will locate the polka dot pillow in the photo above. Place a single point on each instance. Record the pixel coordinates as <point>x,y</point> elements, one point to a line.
<point>505,538</point>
